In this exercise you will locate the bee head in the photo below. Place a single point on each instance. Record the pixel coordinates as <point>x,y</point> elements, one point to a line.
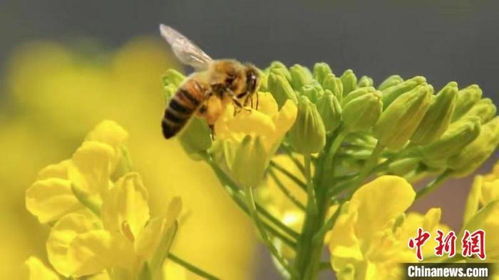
<point>251,81</point>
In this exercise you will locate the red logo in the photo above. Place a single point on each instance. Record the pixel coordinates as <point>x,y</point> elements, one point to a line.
<point>473,244</point>
<point>446,244</point>
<point>419,241</point>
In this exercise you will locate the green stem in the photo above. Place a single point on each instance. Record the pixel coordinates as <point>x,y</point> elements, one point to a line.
<point>311,242</point>
<point>311,196</point>
<point>365,172</point>
<point>291,176</point>
<point>433,185</point>
<point>269,227</point>
<point>370,163</point>
<point>329,223</point>
<point>263,233</point>
<point>234,192</point>
<point>262,211</point>
<point>285,191</point>
<point>326,172</point>
<point>297,162</point>
<point>192,268</point>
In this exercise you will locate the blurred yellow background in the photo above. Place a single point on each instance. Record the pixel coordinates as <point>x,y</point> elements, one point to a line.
<point>54,94</point>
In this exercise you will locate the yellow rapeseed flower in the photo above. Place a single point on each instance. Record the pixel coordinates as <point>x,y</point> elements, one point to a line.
<point>485,190</point>
<point>369,239</point>
<point>39,271</point>
<point>482,210</point>
<point>100,224</point>
<point>247,140</point>
<point>76,89</point>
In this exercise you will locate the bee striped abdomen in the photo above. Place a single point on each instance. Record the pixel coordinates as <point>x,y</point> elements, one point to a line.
<point>182,106</point>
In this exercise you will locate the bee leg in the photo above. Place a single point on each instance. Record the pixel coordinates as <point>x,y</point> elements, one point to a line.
<point>212,128</point>
<point>249,100</point>
<point>257,101</point>
<point>238,104</point>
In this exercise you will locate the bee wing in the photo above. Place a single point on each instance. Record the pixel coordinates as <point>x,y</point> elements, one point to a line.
<point>185,50</point>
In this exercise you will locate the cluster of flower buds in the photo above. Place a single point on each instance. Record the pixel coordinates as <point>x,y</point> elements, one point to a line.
<point>421,130</point>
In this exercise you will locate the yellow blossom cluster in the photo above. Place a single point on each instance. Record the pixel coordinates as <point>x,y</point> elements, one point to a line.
<point>55,93</point>
<point>99,213</point>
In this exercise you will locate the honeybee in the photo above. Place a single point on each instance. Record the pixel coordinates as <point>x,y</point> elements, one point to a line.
<point>207,91</point>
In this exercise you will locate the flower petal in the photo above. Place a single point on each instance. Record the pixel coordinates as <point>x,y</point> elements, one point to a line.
<point>91,252</point>
<point>267,104</point>
<point>473,200</point>
<point>149,237</point>
<point>172,270</point>
<point>39,271</point>
<point>395,192</point>
<point>126,209</point>
<point>486,220</point>
<point>252,123</point>
<point>431,220</point>
<point>62,235</point>
<point>344,244</point>
<point>108,132</point>
<point>51,199</point>
<point>283,121</point>
<point>148,241</point>
<point>286,117</point>
<point>59,170</point>
<point>490,191</point>
<point>91,167</point>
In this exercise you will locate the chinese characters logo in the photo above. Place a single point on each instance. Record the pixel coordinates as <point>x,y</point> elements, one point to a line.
<point>472,243</point>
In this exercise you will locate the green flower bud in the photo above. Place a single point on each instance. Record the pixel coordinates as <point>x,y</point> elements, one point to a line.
<point>280,88</point>
<point>356,93</point>
<point>334,84</point>
<point>390,81</point>
<point>466,98</point>
<point>349,81</point>
<point>313,91</point>
<point>437,119</point>
<point>458,135</point>
<point>391,93</point>
<point>365,81</point>
<point>308,134</point>
<point>171,81</point>
<point>330,110</point>
<point>399,121</point>
<point>300,76</point>
<point>264,80</point>
<point>279,68</point>
<point>250,162</point>
<point>403,166</point>
<point>473,155</point>
<point>321,70</point>
<point>195,138</point>
<point>361,113</point>
<point>484,109</point>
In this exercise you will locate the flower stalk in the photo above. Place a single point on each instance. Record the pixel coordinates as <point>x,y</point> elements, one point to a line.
<point>300,164</point>
<point>192,268</point>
